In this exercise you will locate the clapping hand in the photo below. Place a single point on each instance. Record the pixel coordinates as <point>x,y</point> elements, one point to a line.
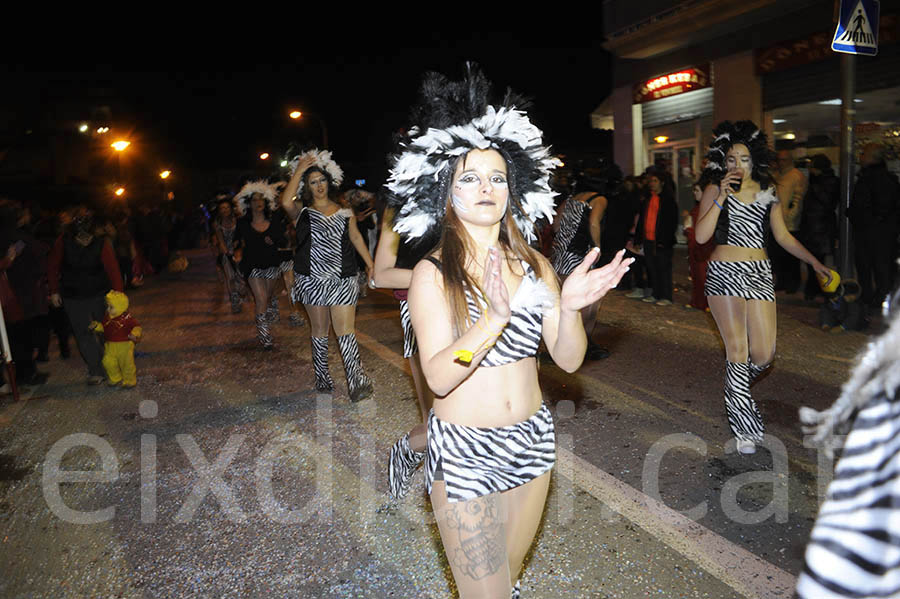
<point>495,291</point>
<point>584,286</point>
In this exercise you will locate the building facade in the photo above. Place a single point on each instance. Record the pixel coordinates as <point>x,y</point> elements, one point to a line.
<point>681,67</point>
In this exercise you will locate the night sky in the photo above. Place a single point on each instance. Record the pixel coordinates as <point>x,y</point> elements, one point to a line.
<point>217,107</point>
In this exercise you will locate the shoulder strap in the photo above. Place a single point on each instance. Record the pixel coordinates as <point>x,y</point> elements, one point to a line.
<point>435,261</point>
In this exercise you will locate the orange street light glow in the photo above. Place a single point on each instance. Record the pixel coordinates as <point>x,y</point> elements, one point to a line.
<point>165,174</point>
<point>264,156</point>
<point>120,191</point>
<point>296,114</point>
<point>120,145</point>
<point>660,139</point>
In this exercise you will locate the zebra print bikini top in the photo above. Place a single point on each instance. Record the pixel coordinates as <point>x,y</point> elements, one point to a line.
<point>522,334</point>
<point>745,225</point>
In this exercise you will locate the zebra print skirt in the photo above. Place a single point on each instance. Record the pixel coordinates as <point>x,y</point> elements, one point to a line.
<point>325,291</point>
<point>565,262</point>
<point>853,549</point>
<point>751,279</point>
<point>476,461</point>
<point>410,347</point>
<point>273,272</point>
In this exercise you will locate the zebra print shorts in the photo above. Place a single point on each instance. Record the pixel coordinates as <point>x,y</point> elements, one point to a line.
<point>476,461</point>
<point>751,279</point>
<point>334,291</point>
<point>410,347</point>
<point>273,272</point>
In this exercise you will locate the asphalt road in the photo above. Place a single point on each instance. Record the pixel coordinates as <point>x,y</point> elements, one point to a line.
<point>223,474</point>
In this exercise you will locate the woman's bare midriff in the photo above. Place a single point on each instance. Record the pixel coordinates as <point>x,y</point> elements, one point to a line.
<point>493,396</point>
<point>735,253</point>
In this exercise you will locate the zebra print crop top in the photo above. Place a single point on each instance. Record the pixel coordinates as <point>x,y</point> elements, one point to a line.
<point>522,334</point>
<point>746,225</point>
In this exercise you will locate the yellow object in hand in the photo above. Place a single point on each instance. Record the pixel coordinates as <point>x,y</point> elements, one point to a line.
<point>830,284</point>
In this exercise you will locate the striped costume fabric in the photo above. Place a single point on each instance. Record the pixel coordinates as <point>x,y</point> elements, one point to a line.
<point>320,364</point>
<point>747,222</point>
<point>478,461</point>
<point>410,347</point>
<point>356,377</point>
<point>522,334</point>
<point>750,279</point>
<point>324,286</point>
<point>562,257</point>
<point>854,548</point>
<point>743,416</point>
<point>273,272</point>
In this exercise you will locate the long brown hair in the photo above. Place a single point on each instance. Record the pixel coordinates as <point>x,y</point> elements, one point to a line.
<point>455,246</point>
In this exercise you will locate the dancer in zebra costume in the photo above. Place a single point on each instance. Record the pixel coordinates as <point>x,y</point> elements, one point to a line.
<point>480,305</point>
<point>854,547</point>
<point>325,266</point>
<point>395,258</point>
<point>261,231</point>
<point>740,210</point>
<point>578,232</point>
<point>224,233</point>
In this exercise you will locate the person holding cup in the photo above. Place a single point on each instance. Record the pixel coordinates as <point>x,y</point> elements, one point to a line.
<point>740,209</point>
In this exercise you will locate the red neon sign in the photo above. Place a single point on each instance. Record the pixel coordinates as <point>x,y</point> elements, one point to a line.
<point>671,84</point>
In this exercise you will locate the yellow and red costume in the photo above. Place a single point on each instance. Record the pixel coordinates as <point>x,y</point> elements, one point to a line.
<point>120,331</point>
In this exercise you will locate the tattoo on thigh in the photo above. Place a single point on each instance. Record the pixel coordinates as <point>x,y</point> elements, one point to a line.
<point>477,526</point>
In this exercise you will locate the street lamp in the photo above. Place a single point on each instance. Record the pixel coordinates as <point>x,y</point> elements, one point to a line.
<point>120,145</point>
<point>120,191</point>
<point>264,156</point>
<point>295,114</point>
<point>165,174</point>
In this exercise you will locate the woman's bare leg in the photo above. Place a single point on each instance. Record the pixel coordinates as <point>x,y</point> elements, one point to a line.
<point>474,534</point>
<point>525,506</point>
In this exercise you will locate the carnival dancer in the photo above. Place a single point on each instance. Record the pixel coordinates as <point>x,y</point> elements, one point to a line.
<point>395,258</point>
<point>739,209</point>
<point>224,229</point>
<point>480,304</point>
<point>325,266</point>
<point>578,232</point>
<point>261,232</point>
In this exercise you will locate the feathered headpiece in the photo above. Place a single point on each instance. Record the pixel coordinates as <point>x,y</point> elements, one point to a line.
<point>725,135</point>
<point>324,161</point>
<point>268,191</point>
<point>454,117</point>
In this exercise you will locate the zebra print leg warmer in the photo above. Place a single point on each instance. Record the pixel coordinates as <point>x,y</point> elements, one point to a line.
<point>320,364</point>
<point>516,591</point>
<point>262,332</point>
<point>401,465</point>
<point>756,370</point>
<point>743,416</point>
<point>272,314</point>
<point>359,385</point>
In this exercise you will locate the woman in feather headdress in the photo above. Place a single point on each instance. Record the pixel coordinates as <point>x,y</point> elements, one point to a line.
<point>325,268</point>
<point>740,210</point>
<point>261,233</point>
<point>480,305</point>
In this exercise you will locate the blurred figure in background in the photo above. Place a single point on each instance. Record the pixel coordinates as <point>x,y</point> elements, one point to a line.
<point>656,233</point>
<point>818,227</point>
<point>698,253</point>
<point>790,188</point>
<point>874,210</point>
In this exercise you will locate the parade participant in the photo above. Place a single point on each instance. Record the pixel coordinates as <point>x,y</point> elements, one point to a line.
<point>325,269</point>
<point>395,258</point>
<point>853,546</point>
<point>739,209</point>
<point>261,232</point>
<point>577,234</point>
<point>82,268</point>
<point>120,331</point>
<point>224,229</point>
<point>480,305</point>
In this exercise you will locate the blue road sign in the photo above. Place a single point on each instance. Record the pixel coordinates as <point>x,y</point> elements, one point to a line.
<point>857,30</point>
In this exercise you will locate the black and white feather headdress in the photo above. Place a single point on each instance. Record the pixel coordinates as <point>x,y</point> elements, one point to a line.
<point>268,191</point>
<point>452,118</point>
<point>727,134</point>
<point>324,161</point>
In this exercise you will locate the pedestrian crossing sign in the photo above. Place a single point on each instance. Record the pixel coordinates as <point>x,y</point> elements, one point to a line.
<point>857,29</point>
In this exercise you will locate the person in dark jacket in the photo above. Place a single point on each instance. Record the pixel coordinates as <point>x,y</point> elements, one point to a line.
<point>82,269</point>
<point>874,210</point>
<point>25,296</point>
<point>656,228</point>
<point>818,225</point>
